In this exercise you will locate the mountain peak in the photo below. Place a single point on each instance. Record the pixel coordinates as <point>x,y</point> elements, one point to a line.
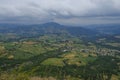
<point>52,23</point>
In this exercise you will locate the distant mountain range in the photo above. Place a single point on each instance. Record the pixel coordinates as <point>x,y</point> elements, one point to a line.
<point>47,28</point>
<point>111,29</point>
<point>55,28</point>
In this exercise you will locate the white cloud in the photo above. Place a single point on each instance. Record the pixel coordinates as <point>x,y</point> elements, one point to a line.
<point>46,10</point>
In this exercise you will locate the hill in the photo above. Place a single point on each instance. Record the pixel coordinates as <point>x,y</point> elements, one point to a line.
<point>22,31</point>
<point>106,28</point>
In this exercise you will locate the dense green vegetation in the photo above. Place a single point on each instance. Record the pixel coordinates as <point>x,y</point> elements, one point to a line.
<point>52,51</point>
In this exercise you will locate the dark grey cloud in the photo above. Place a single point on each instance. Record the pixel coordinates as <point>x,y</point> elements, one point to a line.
<point>69,11</point>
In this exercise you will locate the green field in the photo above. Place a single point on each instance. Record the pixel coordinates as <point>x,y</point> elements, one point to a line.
<point>53,60</point>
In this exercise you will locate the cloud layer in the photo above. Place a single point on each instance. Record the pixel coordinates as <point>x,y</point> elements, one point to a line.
<point>52,10</point>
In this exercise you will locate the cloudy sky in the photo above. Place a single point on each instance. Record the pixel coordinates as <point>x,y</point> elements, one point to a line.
<point>71,12</point>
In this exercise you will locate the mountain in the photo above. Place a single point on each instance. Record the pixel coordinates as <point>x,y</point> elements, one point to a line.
<point>111,29</point>
<point>46,28</point>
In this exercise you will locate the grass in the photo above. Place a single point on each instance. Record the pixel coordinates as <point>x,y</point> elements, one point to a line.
<point>35,49</point>
<point>53,61</point>
<point>39,78</point>
<point>45,59</point>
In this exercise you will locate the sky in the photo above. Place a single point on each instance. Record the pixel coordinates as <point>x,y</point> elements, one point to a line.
<point>69,12</point>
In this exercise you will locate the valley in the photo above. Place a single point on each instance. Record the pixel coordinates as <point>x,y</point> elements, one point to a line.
<point>52,51</point>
